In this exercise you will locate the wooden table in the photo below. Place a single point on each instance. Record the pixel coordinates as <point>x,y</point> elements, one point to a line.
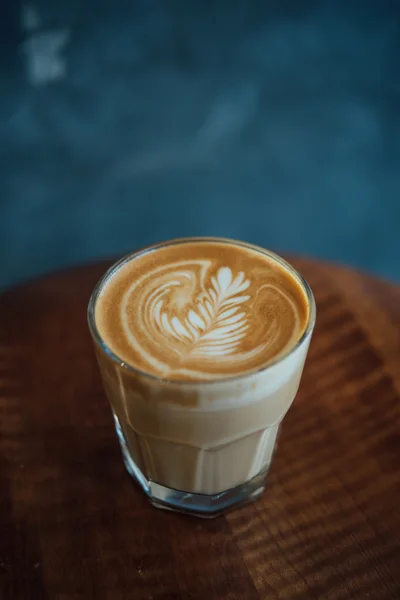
<point>74,525</point>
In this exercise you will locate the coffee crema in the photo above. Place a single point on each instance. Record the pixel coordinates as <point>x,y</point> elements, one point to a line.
<point>201,310</point>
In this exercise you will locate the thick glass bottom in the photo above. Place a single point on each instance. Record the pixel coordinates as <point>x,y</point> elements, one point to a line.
<point>200,505</point>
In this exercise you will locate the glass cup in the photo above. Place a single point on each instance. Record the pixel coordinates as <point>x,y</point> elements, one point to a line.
<point>200,447</point>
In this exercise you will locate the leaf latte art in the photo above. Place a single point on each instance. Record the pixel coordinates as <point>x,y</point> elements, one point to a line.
<point>211,324</point>
<point>201,318</point>
<point>185,310</point>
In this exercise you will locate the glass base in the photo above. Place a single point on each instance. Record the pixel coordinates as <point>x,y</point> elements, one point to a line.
<point>199,505</point>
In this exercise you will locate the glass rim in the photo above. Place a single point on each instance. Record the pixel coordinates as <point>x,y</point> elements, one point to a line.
<point>192,382</point>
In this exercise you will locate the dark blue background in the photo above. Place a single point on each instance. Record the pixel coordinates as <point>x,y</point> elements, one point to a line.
<point>273,122</point>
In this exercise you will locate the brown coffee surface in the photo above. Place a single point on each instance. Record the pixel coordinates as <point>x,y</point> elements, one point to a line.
<point>201,309</point>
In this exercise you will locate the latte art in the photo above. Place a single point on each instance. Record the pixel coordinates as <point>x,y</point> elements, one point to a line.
<point>202,316</point>
<point>210,322</point>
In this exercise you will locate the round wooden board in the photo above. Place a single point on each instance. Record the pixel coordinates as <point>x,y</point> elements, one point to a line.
<point>74,525</point>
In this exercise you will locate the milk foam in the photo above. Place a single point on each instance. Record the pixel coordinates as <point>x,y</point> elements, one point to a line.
<point>204,317</point>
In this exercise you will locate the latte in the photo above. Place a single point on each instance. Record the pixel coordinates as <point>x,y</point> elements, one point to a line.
<point>201,345</point>
<point>201,310</point>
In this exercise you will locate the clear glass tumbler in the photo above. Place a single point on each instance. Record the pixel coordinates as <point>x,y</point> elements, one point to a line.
<point>200,447</point>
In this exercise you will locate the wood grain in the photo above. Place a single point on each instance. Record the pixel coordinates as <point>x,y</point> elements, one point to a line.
<point>74,525</point>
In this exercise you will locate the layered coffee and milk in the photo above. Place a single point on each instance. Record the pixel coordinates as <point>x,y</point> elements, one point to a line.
<point>203,359</point>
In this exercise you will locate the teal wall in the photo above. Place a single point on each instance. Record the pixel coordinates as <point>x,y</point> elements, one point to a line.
<point>273,122</point>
